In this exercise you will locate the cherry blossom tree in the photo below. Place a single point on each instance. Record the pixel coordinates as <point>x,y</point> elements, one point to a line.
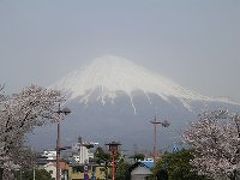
<point>2,96</point>
<point>215,139</point>
<point>19,114</point>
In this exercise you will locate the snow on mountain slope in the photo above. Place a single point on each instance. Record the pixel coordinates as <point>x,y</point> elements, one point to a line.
<point>112,74</point>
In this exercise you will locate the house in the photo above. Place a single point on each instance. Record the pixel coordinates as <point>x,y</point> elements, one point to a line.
<point>64,169</point>
<point>141,170</point>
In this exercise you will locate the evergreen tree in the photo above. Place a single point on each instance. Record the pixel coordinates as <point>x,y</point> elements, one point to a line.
<point>178,167</point>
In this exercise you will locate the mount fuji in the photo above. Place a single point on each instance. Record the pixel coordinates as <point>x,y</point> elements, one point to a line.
<point>114,99</point>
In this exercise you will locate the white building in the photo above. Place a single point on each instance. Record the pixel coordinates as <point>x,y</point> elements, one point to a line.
<point>83,155</point>
<point>50,155</point>
<point>83,152</point>
<point>51,168</point>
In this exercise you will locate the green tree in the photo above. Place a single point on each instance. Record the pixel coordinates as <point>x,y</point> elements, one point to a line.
<point>178,166</point>
<point>41,174</point>
<point>122,170</point>
<point>101,156</point>
<point>137,157</point>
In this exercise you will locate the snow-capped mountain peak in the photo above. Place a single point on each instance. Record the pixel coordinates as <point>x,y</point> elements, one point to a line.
<point>113,98</point>
<point>111,75</point>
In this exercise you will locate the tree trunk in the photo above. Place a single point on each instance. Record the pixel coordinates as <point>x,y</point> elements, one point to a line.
<point>1,173</point>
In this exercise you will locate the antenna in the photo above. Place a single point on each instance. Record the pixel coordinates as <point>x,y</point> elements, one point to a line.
<point>155,122</point>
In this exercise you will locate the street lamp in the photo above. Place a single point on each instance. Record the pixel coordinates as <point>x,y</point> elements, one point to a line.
<point>64,111</point>
<point>155,123</point>
<point>113,147</point>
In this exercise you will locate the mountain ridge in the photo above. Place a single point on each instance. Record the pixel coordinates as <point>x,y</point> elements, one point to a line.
<point>109,75</point>
<point>107,104</point>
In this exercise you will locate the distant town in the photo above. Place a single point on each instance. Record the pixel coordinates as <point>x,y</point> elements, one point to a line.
<point>88,160</point>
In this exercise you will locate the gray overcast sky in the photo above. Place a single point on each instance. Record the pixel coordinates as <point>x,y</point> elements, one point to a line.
<point>193,42</point>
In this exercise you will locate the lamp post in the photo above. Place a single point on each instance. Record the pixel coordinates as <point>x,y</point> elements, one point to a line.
<point>60,111</point>
<point>155,123</point>
<point>113,148</point>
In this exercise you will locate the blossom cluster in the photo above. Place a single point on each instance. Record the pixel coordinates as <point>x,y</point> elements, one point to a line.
<point>215,139</point>
<point>19,114</point>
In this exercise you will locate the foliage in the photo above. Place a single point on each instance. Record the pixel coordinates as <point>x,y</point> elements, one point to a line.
<point>19,114</point>
<point>178,166</point>
<point>101,156</point>
<point>215,138</point>
<point>122,170</point>
<point>27,174</point>
<point>137,157</point>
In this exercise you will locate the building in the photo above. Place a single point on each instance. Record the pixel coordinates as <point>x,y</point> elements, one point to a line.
<point>93,171</point>
<point>83,153</point>
<point>47,161</point>
<point>141,170</point>
<point>64,169</point>
<point>50,155</point>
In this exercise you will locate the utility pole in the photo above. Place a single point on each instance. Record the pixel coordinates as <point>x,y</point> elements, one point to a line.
<point>155,123</point>
<point>34,173</point>
<point>60,111</point>
<point>58,152</point>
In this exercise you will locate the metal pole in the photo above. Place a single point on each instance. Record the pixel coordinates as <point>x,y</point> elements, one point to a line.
<point>58,152</point>
<point>20,174</point>
<point>63,111</point>
<point>155,123</point>
<point>155,142</point>
<point>34,173</point>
